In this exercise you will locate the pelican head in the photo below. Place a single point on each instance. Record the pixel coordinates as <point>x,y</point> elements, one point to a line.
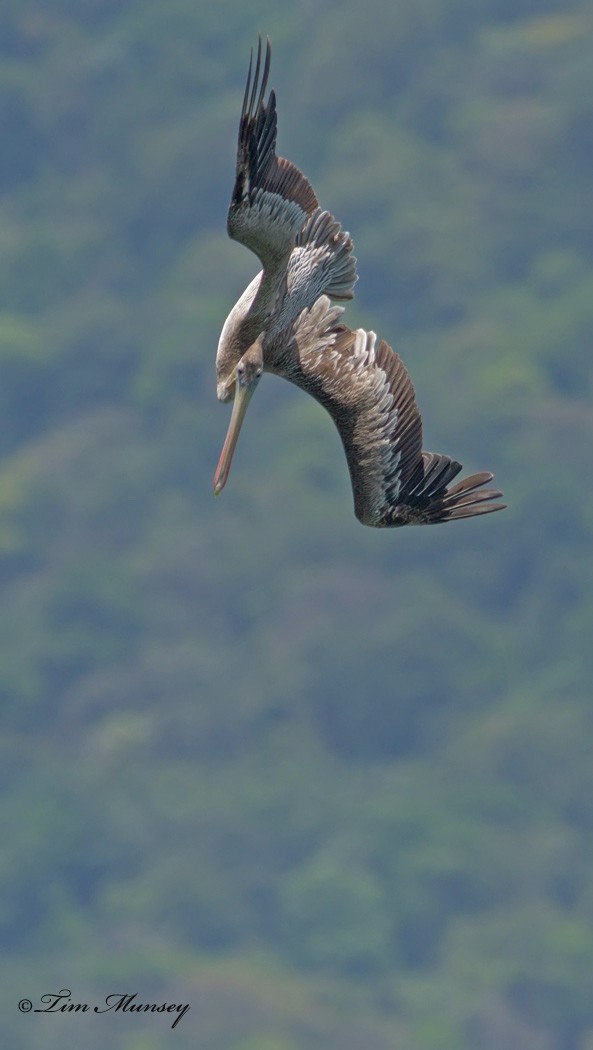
<point>245,377</point>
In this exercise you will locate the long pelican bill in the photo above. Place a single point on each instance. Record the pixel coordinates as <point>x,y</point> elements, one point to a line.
<point>243,395</point>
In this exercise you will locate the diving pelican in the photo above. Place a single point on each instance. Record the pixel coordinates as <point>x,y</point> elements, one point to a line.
<point>285,323</point>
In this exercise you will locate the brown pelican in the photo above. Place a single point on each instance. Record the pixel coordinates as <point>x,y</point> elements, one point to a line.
<point>284,323</point>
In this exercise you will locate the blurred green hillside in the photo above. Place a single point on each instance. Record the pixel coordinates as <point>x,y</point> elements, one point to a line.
<point>332,787</point>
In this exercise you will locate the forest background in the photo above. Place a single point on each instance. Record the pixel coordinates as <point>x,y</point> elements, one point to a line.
<point>330,786</point>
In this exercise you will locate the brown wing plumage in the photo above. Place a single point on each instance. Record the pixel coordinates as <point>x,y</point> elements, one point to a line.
<point>369,394</point>
<point>271,197</point>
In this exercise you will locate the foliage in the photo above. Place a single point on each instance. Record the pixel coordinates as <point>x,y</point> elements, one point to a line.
<point>331,787</point>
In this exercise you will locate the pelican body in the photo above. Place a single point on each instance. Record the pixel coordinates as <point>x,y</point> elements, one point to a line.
<point>285,323</point>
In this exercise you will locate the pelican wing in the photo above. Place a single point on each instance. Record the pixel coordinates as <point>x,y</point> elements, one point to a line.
<point>271,197</point>
<point>321,263</point>
<point>369,394</point>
